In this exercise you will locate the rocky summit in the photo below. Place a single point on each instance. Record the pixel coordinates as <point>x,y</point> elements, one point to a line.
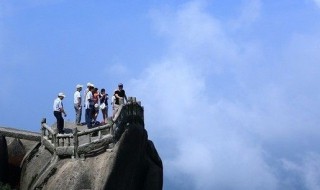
<point>115,156</point>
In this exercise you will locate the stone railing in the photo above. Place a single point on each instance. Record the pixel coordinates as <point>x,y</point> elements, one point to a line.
<point>75,143</point>
<point>131,112</point>
<point>20,134</point>
<point>79,143</point>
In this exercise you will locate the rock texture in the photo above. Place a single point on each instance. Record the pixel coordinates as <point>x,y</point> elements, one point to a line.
<point>137,162</point>
<point>3,159</point>
<point>132,164</point>
<point>12,153</point>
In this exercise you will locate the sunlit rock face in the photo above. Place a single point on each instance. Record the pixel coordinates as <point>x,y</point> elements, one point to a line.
<point>137,164</point>
<point>132,164</point>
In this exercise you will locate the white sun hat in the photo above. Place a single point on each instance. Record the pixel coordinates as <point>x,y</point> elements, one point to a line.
<point>61,94</point>
<point>79,86</point>
<point>89,84</point>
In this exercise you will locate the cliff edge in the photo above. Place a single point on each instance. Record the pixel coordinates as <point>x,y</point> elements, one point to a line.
<point>132,164</point>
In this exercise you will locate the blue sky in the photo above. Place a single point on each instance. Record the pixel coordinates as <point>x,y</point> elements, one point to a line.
<point>230,88</point>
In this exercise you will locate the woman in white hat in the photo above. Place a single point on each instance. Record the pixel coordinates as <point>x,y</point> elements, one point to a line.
<point>58,111</point>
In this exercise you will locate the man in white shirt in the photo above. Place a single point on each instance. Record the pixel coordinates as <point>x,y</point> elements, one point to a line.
<point>85,93</point>
<point>77,104</point>
<point>89,105</point>
<point>58,111</point>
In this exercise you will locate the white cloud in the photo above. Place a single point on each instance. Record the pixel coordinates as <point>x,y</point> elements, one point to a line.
<point>176,93</point>
<point>216,104</point>
<point>317,2</point>
<point>203,43</point>
<point>308,170</point>
<point>116,70</point>
<point>223,163</point>
<point>249,14</point>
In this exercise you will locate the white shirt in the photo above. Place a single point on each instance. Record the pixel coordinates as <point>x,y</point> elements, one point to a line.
<point>88,97</point>
<point>76,97</point>
<point>113,99</point>
<point>85,95</point>
<point>57,104</point>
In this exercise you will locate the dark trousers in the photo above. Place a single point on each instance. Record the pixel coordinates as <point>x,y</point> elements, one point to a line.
<point>89,117</point>
<point>60,121</point>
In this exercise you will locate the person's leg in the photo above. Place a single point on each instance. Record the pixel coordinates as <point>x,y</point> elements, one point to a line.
<point>104,115</point>
<point>80,113</point>
<point>114,110</point>
<point>88,118</point>
<point>96,115</point>
<point>57,118</point>
<point>92,114</point>
<point>77,113</point>
<point>60,121</point>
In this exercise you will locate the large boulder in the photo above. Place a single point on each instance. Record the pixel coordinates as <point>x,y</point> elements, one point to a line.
<point>137,165</point>
<point>132,164</point>
<point>3,159</point>
<point>16,153</point>
<point>12,153</point>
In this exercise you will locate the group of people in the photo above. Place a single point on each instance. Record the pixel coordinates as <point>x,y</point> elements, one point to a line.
<point>93,101</point>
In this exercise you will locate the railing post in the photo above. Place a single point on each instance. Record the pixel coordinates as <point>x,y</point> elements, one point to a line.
<point>56,140</point>
<point>43,130</point>
<point>75,142</point>
<point>111,130</point>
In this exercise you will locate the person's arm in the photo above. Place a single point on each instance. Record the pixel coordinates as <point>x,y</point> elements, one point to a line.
<point>62,111</point>
<point>116,95</point>
<point>125,97</point>
<point>65,114</point>
<point>79,102</point>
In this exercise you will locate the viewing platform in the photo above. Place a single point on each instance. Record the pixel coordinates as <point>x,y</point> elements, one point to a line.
<point>78,141</point>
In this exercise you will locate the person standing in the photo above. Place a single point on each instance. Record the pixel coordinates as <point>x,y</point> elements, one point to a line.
<point>77,104</point>
<point>104,105</point>
<point>85,93</point>
<point>89,105</point>
<point>120,96</point>
<point>95,111</point>
<point>58,110</point>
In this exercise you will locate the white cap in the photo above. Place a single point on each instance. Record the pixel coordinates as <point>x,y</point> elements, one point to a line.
<point>90,84</point>
<point>79,86</point>
<point>61,94</point>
